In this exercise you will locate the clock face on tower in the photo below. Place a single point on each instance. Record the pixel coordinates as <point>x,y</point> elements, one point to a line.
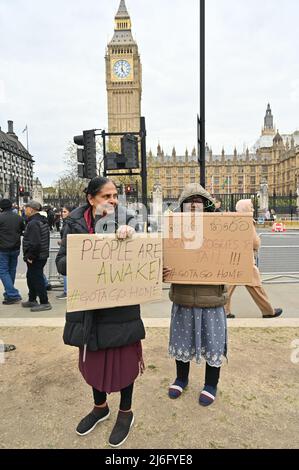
<point>122,69</point>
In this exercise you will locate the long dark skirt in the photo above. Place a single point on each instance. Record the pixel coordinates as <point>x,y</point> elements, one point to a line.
<point>111,370</point>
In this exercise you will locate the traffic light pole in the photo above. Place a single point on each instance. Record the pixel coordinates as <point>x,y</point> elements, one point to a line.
<point>201,122</point>
<point>143,161</point>
<point>103,134</point>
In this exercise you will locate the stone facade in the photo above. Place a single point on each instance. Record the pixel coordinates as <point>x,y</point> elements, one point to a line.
<point>274,159</point>
<point>37,192</point>
<point>16,164</point>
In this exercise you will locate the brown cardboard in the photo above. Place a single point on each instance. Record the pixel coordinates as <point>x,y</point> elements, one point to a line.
<point>104,272</point>
<point>224,257</point>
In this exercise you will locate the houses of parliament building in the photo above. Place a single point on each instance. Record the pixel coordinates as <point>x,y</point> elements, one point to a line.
<point>274,158</point>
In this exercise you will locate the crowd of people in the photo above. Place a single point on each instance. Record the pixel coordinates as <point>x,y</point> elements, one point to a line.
<point>33,223</point>
<point>109,340</point>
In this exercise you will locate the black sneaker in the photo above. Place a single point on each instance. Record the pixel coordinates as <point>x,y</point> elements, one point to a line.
<point>29,304</point>
<point>11,301</point>
<point>121,428</point>
<point>41,307</point>
<point>90,421</point>
<point>49,287</point>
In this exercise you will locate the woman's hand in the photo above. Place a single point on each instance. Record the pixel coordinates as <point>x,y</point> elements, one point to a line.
<point>166,272</point>
<point>125,231</point>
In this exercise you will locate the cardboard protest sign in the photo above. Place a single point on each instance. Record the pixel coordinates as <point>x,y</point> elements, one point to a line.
<point>209,248</point>
<point>104,272</point>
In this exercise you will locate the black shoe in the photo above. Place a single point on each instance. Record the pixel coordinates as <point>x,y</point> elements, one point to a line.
<point>121,428</point>
<point>277,313</point>
<point>230,315</point>
<point>9,347</point>
<point>11,301</point>
<point>61,296</point>
<point>49,287</point>
<point>90,421</point>
<point>29,304</point>
<point>41,308</point>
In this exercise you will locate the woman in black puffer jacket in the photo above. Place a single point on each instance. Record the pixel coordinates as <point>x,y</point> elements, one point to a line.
<point>109,340</point>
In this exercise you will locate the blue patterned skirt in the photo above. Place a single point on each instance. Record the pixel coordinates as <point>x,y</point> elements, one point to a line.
<point>197,333</point>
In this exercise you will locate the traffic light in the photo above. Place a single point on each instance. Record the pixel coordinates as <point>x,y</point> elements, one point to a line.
<point>86,156</point>
<point>131,190</point>
<point>127,159</point>
<point>21,190</point>
<point>115,161</point>
<point>129,150</point>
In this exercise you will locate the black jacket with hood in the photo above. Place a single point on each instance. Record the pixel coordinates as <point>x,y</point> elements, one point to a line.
<point>101,328</point>
<point>36,241</point>
<point>11,228</point>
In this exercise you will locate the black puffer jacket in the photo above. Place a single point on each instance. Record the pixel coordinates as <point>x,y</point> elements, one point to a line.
<point>11,228</point>
<point>36,241</point>
<point>101,328</point>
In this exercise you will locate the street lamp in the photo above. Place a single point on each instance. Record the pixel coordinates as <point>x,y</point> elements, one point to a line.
<point>201,121</point>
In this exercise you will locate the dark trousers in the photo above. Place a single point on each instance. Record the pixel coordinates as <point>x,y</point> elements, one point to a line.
<point>126,395</point>
<point>36,282</point>
<point>211,377</point>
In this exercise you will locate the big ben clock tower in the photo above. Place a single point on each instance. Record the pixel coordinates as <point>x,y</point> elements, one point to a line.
<point>123,79</point>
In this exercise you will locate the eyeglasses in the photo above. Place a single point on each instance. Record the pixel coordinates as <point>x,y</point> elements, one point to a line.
<point>196,200</point>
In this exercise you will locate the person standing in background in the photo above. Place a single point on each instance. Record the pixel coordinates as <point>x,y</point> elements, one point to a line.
<point>36,245</point>
<point>11,229</point>
<point>65,212</point>
<point>256,290</point>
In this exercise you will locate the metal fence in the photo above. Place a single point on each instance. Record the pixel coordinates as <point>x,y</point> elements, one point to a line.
<point>280,261</point>
<point>59,202</point>
<point>54,278</point>
<point>284,205</point>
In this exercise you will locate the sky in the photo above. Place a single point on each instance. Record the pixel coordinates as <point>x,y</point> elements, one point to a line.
<point>52,71</point>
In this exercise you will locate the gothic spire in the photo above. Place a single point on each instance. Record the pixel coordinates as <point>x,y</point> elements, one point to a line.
<point>268,121</point>
<point>122,10</point>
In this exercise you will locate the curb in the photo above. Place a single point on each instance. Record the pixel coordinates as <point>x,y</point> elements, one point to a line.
<point>154,322</point>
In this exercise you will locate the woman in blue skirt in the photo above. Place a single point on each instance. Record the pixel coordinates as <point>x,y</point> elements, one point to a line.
<point>198,328</point>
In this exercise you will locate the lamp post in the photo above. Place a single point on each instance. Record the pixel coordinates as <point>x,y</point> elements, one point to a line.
<point>201,121</point>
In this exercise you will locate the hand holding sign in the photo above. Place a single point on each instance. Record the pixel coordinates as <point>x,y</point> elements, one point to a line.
<point>125,231</point>
<point>166,272</point>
